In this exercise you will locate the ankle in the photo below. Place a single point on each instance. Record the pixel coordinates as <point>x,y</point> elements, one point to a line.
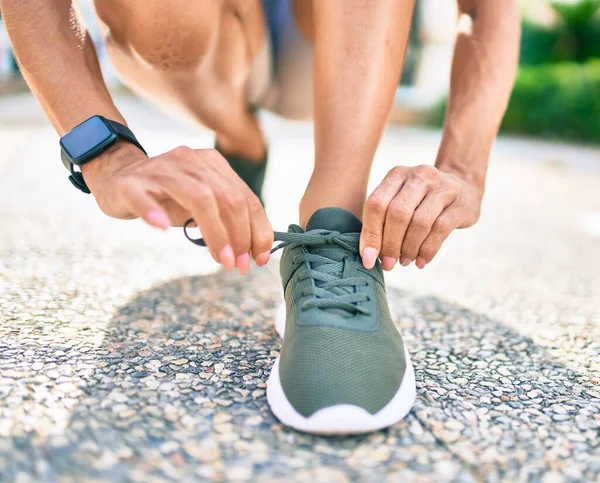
<point>313,200</point>
<point>248,142</point>
<point>254,152</point>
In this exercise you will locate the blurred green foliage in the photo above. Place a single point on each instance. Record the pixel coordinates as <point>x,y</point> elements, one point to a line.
<point>556,100</point>
<point>575,14</point>
<point>557,90</point>
<point>541,45</point>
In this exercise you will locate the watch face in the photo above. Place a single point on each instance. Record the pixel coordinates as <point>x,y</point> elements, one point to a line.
<point>87,140</point>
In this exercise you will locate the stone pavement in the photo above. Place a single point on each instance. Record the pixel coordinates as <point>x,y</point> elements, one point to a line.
<point>125,355</point>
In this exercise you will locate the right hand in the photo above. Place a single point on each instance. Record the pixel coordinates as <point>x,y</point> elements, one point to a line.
<point>184,183</point>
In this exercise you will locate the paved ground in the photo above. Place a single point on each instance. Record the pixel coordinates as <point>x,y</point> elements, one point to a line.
<point>126,356</point>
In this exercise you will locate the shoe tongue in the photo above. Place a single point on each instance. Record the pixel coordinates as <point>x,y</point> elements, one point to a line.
<point>334,219</point>
<point>340,220</point>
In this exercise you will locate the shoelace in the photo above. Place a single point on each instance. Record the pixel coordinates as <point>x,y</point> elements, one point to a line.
<point>329,289</point>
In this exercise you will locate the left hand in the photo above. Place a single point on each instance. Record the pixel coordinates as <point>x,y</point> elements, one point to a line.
<point>412,212</point>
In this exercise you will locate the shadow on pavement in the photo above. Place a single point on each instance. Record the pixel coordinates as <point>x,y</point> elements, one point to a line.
<point>178,393</point>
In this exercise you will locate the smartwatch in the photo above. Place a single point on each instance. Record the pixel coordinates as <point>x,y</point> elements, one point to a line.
<point>88,140</point>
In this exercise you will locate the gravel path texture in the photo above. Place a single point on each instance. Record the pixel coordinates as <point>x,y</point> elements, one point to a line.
<point>126,355</point>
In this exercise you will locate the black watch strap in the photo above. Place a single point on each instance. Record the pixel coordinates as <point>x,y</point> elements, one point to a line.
<point>76,179</point>
<point>125,133</point>
<point>122,131</point>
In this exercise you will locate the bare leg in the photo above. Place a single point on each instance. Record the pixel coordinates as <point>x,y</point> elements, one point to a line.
<point>359,49</point>
<point>197,58</point>
<point>193,56</point>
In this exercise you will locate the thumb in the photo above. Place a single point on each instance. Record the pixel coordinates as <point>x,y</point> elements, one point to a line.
<point>142,204</point>
<point>375,211</point>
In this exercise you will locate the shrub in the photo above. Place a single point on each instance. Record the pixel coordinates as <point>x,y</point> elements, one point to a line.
<point>560,101</point>
<point>557,100</point>
<point>541,44</point>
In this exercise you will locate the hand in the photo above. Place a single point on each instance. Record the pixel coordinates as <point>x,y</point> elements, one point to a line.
<point>181,184</point>
<point>412,212</point>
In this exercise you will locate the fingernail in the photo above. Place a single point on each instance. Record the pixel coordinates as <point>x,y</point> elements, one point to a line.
<point>369,257</point>
<point>387,263</point>
<point>263,258</point>
<point>404,261</point>
<point>227,258</point>
<point>243,263</point>
<point>420,263</point>
<point>159,219</point>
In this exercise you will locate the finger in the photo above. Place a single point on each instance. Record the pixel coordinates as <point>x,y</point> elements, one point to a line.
<point>234,208</point>
<point>234,213</point>
<point>176,213</point>
<point>262,231</point>
<point>200,201</point>
<point>143,204</point>
<point>397,220</point>
<point>442,227</point>
<point>242,262</point>
<point>422,222</point>
<point>374,215</point>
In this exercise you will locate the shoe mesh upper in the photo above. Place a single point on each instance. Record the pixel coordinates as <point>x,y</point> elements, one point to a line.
<point>322,366</point>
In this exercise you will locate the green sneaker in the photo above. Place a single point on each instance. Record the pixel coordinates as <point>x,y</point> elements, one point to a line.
<point>343,367</point>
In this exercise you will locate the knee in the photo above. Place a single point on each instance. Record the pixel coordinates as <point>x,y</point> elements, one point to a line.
<point>175,35</point>
<point>167,34</point>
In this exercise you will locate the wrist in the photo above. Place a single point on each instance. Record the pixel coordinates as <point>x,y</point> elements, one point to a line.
<point>468,175</point>
<point>121,154</point>
<point>465,149</point>
<point>469,165</point>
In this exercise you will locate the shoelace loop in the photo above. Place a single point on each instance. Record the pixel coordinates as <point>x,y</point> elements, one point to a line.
<point>329,289</point>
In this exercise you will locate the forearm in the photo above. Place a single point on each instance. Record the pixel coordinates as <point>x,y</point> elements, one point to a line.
<point>58,60</point>
<point>483,72</point>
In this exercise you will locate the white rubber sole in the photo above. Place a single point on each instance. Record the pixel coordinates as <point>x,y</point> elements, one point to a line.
<point>340,418</point>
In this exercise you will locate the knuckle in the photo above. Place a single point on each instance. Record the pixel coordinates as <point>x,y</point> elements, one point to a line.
<point>390,247</point>
<point>426,171</point>
<point>441,225</point>
<point>448,184</point>
<point>233,199</point>
<point>376,205</point>
<point>212,153</point>
<point>255,207</point>
<point>420,222</point>
<point>202,195</point>
<point>399,215</point>
<point>264,240</point>
<point>425,174</point>
<point>215,159</point>
<point>414,183</point>
<point>408,250</point>
<point>397,171</point>
<point>371,233</point>
<point>428,251</point>
<point>183,152</point>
